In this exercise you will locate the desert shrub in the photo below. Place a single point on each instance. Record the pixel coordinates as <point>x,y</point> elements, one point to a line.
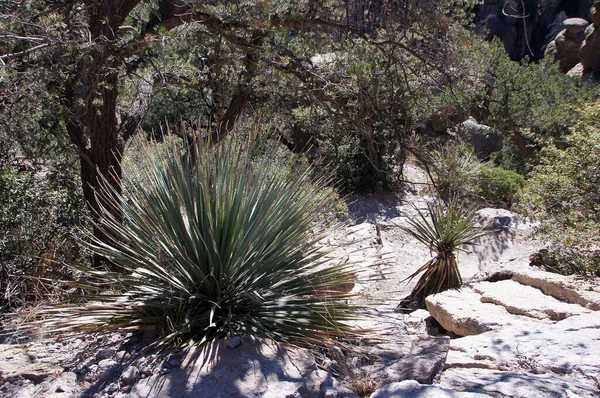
<point>563,193</point>
<point>499,186</point>
<point>226,247</point>
<point>40,216</point>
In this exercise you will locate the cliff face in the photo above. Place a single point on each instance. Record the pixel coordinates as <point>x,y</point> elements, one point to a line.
<point>527,26</point>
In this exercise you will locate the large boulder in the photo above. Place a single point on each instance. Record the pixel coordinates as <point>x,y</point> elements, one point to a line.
<point>565,46</point>
<point>589,54</point>
<point>484,139</point>
<point>463,313</point>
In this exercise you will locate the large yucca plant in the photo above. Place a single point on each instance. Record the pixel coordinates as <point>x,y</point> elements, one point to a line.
<point>226,246</point>
<point>443,229</point>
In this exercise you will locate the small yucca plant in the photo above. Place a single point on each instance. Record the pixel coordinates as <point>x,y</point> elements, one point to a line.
<point>443,229</point>
<point>220,248</point>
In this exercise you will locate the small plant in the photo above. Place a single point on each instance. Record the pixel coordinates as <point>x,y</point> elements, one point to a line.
<point>444,229</point>
<point>223,247</point>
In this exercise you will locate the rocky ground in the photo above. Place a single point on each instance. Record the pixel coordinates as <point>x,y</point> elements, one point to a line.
<point>511,331</point>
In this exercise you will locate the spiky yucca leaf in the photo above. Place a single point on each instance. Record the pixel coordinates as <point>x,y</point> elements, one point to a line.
<point>225,247</point>
<point>443,229</point>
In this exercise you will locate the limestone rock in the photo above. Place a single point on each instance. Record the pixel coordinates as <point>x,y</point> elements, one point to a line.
<point>565,351</point>
<point>566,347</point>
<point>484,139</point>
<point>412,389</point>
<point>570,289</point>
<point>418,358</point>
<point>515,384</point>
<point>526,300</point>
<point>462,313</point>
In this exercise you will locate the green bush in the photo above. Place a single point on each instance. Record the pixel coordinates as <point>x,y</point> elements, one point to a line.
<point>563,193</point>
<point>226,247</point>
<point>499,186</point>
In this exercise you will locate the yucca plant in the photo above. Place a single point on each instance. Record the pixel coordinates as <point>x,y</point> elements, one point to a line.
<point>454,169</point>
<point>443,229</point>
<point>226,246</point>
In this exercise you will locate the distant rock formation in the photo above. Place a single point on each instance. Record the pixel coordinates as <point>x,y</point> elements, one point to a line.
<point>527,32</point>
<point>565,47</point>
<point>589,54</point>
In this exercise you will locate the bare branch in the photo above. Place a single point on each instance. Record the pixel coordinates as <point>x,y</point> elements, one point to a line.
<point>24,52</point>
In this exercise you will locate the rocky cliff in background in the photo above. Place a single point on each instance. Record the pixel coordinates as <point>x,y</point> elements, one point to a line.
<point>527,32</point>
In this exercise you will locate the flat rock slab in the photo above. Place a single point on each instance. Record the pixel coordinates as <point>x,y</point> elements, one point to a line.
<point>503,384</point>
<point>568,348</point>
<point>18,361</point>
<point>566,288</point>
<point>253,369</point>
<point>419,358</point>
<point>412,389</point>
<point>526,300</point>
<point>462,313</point>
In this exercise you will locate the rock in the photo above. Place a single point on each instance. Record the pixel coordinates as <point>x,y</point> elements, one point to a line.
<point>412,389</point>
<point>415,322</point>
<point>36,377</point>
<point>130,374</point>
<point>565,47</point>
<point>575,25</point>
<point>526,300</point>
<point>576,71</point>
<point>568,347</point>
<point>420,358</point>
<point>484,139</point>
<point>515,384</point>
<point>17,361</point>
<point>106,369</point>
<point>122,356</point>
<point>568,47</point>
<point>64,385</point>
<point>105,354</point>
<point>462,313</point>
<point>595,13</point>
<point>570,289</point>
<point>589,54</point>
